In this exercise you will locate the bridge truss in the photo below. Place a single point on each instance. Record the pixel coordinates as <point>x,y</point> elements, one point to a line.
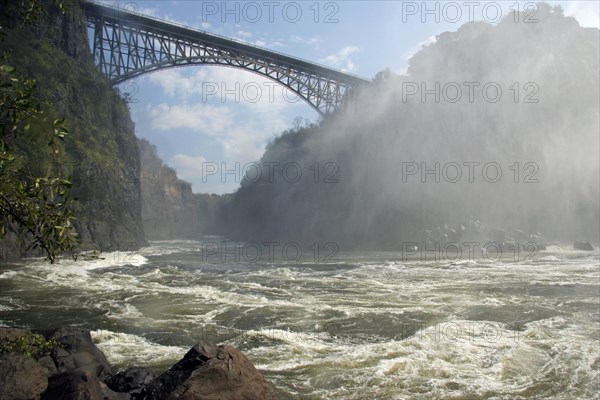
<point>127,45</point>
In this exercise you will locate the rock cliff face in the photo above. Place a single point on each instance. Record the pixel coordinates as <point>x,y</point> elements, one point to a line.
<point>170,210</point>
<point>111,170</point>
<point>101,151</point>
<point>168,205</point>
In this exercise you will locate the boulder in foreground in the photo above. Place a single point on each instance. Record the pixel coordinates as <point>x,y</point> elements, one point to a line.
<point>77,370</point>
<point>21,378</point>
<point>210,372</point>
<point>132,380</point>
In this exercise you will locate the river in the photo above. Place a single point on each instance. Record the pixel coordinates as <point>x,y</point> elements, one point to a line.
<point>362,325</point>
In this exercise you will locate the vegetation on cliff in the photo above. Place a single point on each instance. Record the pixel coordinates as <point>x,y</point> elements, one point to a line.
<point>34,199</point>
<point>100,156</point>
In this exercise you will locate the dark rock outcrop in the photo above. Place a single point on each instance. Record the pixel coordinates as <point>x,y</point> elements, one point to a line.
<point>585,246</point>
<point>48,363</point>
<point>131,380</point>
<point>78,370</point>
<point>79,352</point>
<point>77,384</point>
<point>21,378</point>
<point>211,372</point>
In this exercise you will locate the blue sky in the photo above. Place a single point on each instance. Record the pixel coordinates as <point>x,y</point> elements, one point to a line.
<point>175,110</point>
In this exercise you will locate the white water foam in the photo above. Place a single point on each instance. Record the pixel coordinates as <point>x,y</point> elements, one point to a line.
<point>127,349</point>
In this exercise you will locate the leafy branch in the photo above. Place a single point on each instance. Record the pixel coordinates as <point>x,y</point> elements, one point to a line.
<point>36,208</point>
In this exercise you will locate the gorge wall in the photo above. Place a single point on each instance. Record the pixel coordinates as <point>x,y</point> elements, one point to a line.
<point>169,208</point>
<point>101,152</point>
<point>121,185</point>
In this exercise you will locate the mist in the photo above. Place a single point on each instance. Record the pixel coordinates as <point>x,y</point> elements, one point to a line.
<point>492,134</point>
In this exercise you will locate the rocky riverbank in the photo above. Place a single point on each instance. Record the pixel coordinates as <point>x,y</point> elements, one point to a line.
<point>67,365</point>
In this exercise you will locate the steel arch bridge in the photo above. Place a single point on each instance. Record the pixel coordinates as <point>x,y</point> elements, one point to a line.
<point>127,44</point>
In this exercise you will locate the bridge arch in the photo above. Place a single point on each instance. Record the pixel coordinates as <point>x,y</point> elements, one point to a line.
<point>320,105</point>
<point>127,45</point>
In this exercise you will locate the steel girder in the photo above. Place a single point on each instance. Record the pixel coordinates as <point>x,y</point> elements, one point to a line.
<point>126,45</point>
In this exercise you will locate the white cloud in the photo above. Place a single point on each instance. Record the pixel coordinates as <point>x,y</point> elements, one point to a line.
<point>409,53</point>
<point>242,143</point>
<point>131,7</point>
<point>153,12</point>
<point>276,43</point>
<point>260,43</point>
<point>204,175</point>
<point>239,117</point>
<point>205,25</point>
<point>341,59</point>
<point>426,42</point>
<point>188,167</point>
<point>171,81</point>
<point>244,34</point>
<point>264,42</point>
<point>224,85</point>
<point>587,13</point>
<point>207,119</point>
<point>241,134</point>
<point>313,41</point>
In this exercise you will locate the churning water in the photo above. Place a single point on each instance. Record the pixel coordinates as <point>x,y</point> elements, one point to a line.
<point>358,326</point>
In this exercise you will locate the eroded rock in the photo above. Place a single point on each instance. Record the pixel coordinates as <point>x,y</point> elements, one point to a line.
<point>211,372</point>
<point>21,378</point>
<point>79,352</point>
<point>131,380</point>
